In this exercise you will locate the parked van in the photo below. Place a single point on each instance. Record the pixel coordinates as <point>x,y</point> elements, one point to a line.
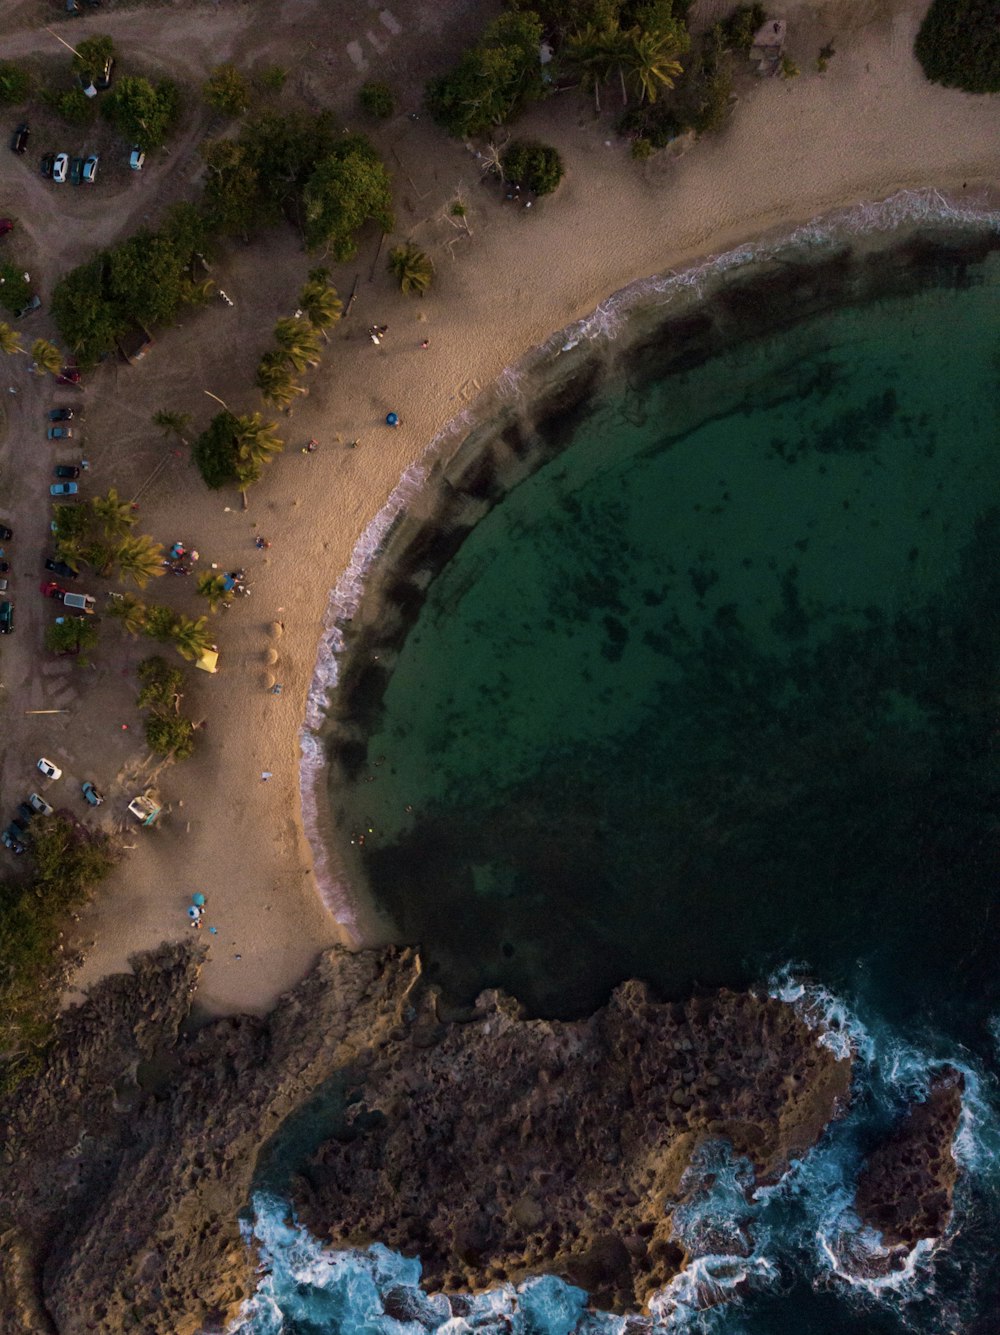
<point>84,602</point>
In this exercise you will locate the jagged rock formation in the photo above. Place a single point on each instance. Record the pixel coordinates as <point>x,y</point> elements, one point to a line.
<point>906,1188</point>
<point>495,1145</point>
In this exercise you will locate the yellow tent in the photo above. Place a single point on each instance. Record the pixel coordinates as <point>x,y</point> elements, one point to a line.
<point>209,661</point>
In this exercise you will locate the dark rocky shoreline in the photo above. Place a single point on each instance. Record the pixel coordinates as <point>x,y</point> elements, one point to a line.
<point>494,1145</point>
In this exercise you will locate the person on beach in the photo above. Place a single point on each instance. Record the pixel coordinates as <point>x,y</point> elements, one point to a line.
<point>310,445</point>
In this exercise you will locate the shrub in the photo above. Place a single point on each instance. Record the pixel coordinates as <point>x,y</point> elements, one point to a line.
<point>376,98</point>
<point>271,78</point>
<point>170,735</point>
<point>227,90</point>
<point>739,28</point>
<point>73,106</point>
<point>15,293</point>
<point>533,166</point>
<point>958,45</point>
<point>15,84</point>
<point>641,149</point>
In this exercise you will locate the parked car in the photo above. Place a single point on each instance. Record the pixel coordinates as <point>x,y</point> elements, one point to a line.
<point>136,158</point>
<point>61,415</point>
<point>4,567</point>
<point>66,470</point>
<point>90,169</point>
<point>5,533</point>
<point>19,142</point>
<point>50,589</point>
<point>33,304</point>
<point>95,798</point>
<point>47,165</point>
<point>76,171</point>
<point>11,839</point>
<point>6,618</point>
<point>60,168</point>
<point>60,568</point>
<point>103,80</point>
<point>83,602</point>
<point>69,375</point>
<point>50,770</point>
<point>6,225</point>
<point>40,805</point>
<point>60,433</point>
<point>25,815</point>
<point>64,489</point>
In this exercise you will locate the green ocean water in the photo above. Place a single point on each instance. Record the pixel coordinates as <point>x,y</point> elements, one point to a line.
<point>716,689</point>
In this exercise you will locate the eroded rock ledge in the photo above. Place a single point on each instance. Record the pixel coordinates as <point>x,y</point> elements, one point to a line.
<point>494,1146</point>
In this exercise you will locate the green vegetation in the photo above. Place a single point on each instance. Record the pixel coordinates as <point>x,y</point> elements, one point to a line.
<point>99,533</point>
<point>46,357</point>
<point>533,166</point>
<point>319,301</point>
<point>348,188</point>
<point>235,449</point>
<point>91,55</point>
<point>376,99</point>
<point>71,105</point>
<point>173,424</point>
<point>958,45</point>
<point>742,25</point>
<point>168,732</point>
<point>72,636</point>
<point>145,280</point>
<point>15,294</point>
<point>190,637</point>
<point>227,90</point>
<point>212,587</point>
<point>492,81</point>
<point>411,268</point>
<point>142,112</point>
<point>270,78</point>
<point>69,861</point>
<point>15,84</point>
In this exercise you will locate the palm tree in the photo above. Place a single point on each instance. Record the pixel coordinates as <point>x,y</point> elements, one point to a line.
<point>127,608</point>
<point>274,380</point>
<point>255,441</point>
<point>299,342</point>
<point>113,514</point>
<point>412,268</point>
<point>140,559</point>
<point>46,357</point>
<point>174,424</point>
<point>191,638</point>
<point>650,59</point>
<point>319,300</point>
<point>10,340</point>
<point>592,53</point>
<point>212,587</point>
<point>71,548</point>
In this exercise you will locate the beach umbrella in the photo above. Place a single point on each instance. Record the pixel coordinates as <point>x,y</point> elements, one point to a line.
<point>391,419</point>
<point>198,898</point>
<point>194,913</point>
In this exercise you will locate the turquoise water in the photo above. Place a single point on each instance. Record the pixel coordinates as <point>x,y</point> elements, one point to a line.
<point>712,699</point>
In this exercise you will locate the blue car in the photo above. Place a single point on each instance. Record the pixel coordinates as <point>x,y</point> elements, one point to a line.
<point>60,433</point>
<point>64,489</point>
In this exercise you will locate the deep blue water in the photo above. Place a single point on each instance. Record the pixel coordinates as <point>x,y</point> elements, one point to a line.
<point>713,699</point>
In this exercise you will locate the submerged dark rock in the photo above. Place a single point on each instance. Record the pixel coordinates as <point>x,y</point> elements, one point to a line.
<point>494,1145</point>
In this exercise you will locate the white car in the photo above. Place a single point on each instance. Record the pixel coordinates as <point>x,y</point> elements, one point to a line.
<point>60,168</point>
<point>136,158</point>
<point>49,770</point>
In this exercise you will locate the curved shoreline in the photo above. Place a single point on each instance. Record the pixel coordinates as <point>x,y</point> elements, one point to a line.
<point>458,476</point>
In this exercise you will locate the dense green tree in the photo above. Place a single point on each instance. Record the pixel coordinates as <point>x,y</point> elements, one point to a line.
<point>411,268</point>
<point>232,189</point>
<point>73,635</point>
<point>15,290</point>
<point>142,112</point>
<point>958,45</point>
<point>15,84</point>
<point>91,55</point>
<point>213,451</point>
<point>169,734</point>
<point>534,166</point>
<point>88,320</point>
<point>71,105</point>
<point>146,277</point>
<point>347,189</point>
<point>68,858</point>
<point>160,684</point>
<point>376,99</point>
<point>493,80</point>
<point>159,622</point>
<point>227,90</point>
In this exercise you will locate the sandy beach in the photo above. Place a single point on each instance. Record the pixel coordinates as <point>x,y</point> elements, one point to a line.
<point>867,128</point>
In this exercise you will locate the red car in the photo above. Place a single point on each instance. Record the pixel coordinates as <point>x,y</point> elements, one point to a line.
<point>6,225</point>
<point>50,589</point>
<point>70,376</point>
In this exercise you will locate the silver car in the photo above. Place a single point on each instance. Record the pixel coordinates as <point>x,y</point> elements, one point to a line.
<point>60,168</point>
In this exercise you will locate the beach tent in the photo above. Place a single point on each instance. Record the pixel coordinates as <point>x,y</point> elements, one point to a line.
<point>209,661</point>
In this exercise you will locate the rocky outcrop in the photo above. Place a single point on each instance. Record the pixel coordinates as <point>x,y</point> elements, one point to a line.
<point>493,1145</point>
<point>906,1188</point>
